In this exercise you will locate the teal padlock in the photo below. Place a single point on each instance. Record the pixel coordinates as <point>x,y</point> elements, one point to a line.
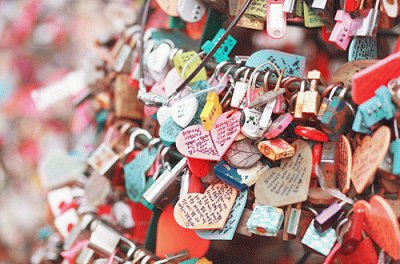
<point>395,149</point>
<point>374,110</point>
<point>378,107</point>
<point>222,54</point>
<point>359,125</point>
<point>338,117</point>
<point>322,242</point>
<point>265,220</point>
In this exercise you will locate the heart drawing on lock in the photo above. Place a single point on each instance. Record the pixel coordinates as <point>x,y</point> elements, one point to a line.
<point>206,211</point>
<point>196,142</point>
<point>381,224</point>
<point>368,156</point>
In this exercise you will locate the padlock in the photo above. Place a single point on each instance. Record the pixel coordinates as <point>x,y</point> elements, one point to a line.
<point>324,9</point>
<point>191,10</point>
<point>340,34</point>
<point>85,256</point>
<point>121,62</point>
<point>158,61</point>
<point>395,150</point>
<point>294,220</point>
<point>185,63</point>
<point>265,220</point>
<point>312,98</point>
<point>327,163</point>
<point>278,126</point>
<point>385,168</point>
<point>276,149</point>
<point>351,5</point>
<point>83,225</point>
<point>257,10</point>
<point>328,216</point>
<point>299,8</point>
<point>289,6</point>
<point>126,102</point>
<point>321,242</point>
<point>105,157</point>
<point>311,18</point>
<point>354,234</point>
<point>265,119</point>
<point>338,117</point>
<point>367,27</point>
<point>222,53</point>
<point>326,100</point>
<point>246,21</point>
<point>300,101</point>
<point>107,242</point>
<point>240,90</point>
<point>166,187</point>
<point>377,108</point>
<point>211,111</point>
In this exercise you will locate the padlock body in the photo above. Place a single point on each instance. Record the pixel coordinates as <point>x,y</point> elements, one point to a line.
<point>311,105</point>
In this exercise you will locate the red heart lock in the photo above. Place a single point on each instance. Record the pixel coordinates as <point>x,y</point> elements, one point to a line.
<point>171,237</point>
<point>364,254</point>
<point>198,167</point>
<point>381,224</point>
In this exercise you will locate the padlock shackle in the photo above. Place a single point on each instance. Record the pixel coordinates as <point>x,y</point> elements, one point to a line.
<point>328,89</point>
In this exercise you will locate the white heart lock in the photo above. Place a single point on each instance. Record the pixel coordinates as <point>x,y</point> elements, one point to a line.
<point>172,81</point>
<point>163,113</point>
<point>184,110</point>
<point>157,62</point>
<point>191,10</point>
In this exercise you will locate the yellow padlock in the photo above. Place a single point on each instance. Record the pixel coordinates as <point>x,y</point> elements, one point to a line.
<point>211,111</point>
<point>188,62</point>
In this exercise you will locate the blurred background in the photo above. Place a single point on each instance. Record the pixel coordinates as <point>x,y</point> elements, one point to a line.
<point>41,42</point>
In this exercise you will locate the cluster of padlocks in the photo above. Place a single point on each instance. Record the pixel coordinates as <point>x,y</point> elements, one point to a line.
<point>193,138</point>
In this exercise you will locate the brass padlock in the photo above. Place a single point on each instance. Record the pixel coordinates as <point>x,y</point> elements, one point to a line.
<point>126,101</point>
<point>300,101</point>
<point>312,98</point>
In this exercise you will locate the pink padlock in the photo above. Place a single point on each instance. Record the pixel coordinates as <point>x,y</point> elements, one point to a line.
<point>341,33</point>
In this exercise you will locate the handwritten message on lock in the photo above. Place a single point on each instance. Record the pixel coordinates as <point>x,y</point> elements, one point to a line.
<point>206,211</point>
<point>196,142</point>
<point>288,183</point>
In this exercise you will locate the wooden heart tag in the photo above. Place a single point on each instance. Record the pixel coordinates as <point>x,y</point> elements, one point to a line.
<point>289,183</point>
<point>368,156</point>
<point>206,211</point>
<point>196,142</point>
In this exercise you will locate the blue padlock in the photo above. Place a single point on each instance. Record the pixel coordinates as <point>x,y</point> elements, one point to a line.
<point>222,54</point>
<point>378,107</point>
<point>337,117</point>
<point>395,149</point>
<point>359,125</point>
<point>229,175</point>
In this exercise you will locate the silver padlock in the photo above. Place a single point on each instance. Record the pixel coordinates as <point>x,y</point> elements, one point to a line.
<point>289,6</point>
<point>105,241</point>
<point>166,187</point>
<point>83,225</point>
<point>328,163</point>
<point>368,24</point>
<point>86,256</point>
